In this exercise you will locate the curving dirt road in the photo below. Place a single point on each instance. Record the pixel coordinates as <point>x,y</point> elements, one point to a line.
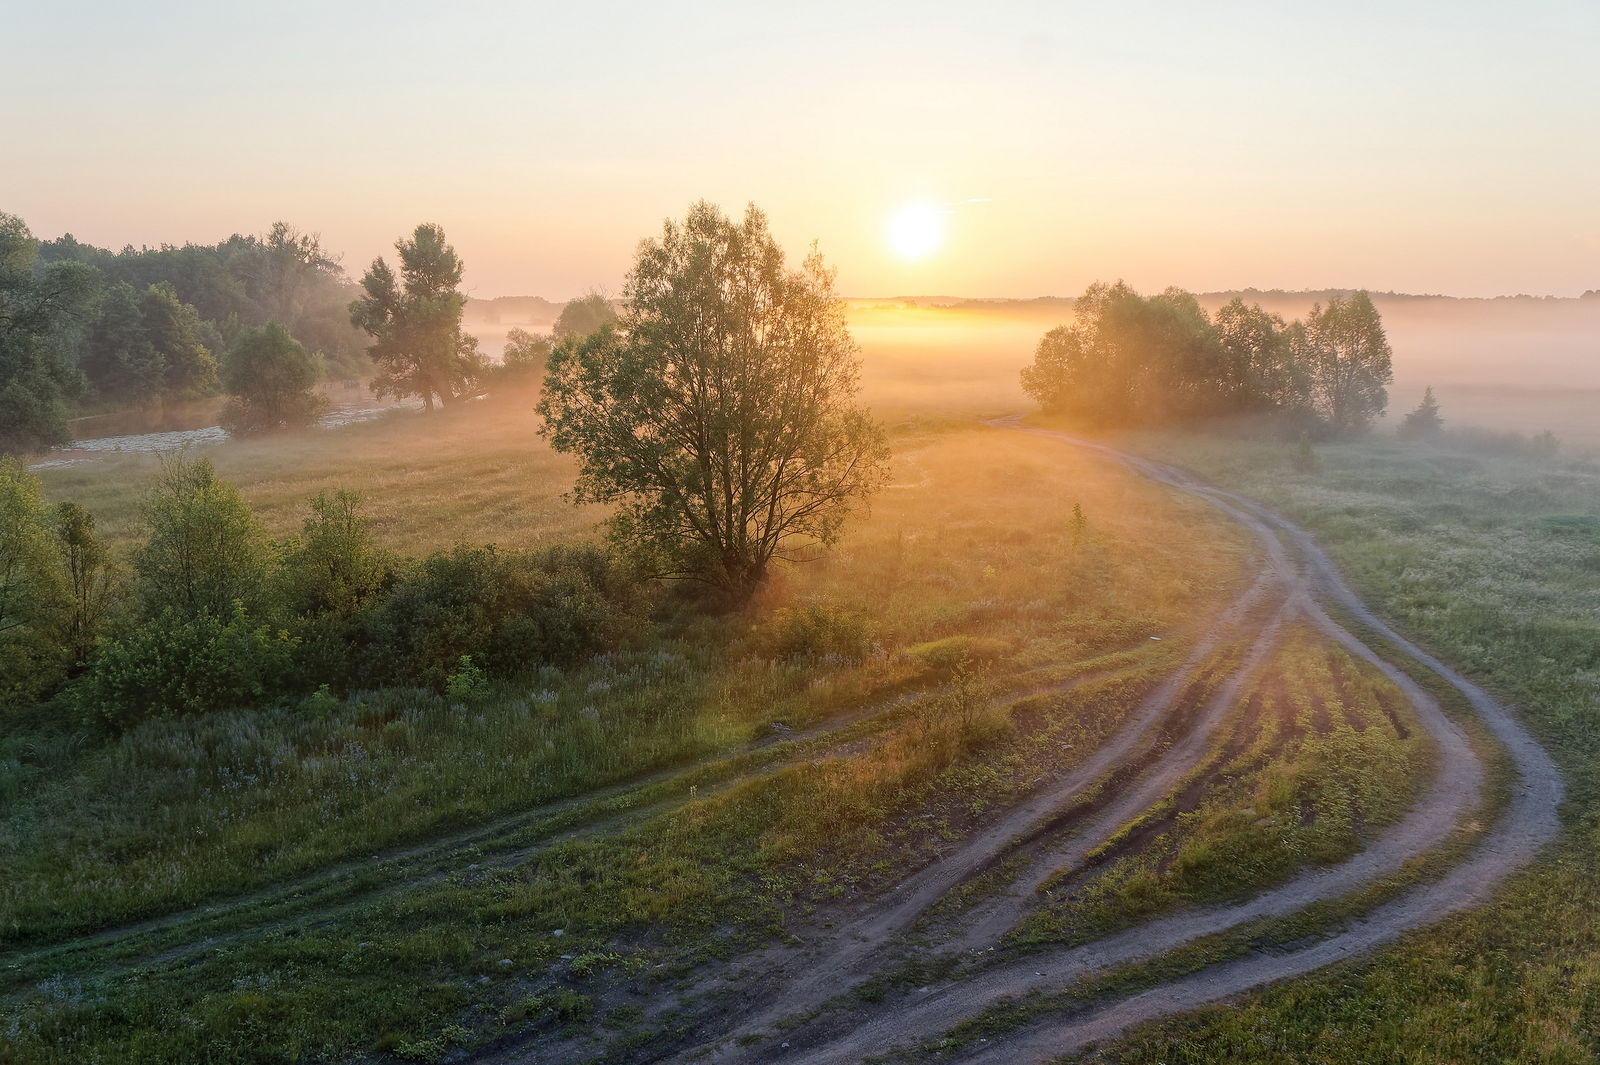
<point>1453,798</point>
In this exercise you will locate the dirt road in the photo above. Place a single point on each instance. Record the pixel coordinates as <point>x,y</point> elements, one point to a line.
<point>797,995</point>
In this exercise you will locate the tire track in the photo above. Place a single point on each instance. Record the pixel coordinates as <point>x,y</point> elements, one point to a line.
<point>302,912</point>
<point>1527,822</point>
<point>1524,825</point>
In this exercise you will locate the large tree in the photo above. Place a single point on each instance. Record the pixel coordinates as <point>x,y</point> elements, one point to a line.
<point>1348,355</point>
<point>121,362</point>
<point>1129,359</point>
<point>1263,372</point>
<point>720,417</point>
<point>415,321</point>
<point>269,374</point>
<point>189,368</point>
<point>37,308</point>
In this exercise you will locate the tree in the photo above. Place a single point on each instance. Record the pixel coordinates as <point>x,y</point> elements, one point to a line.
<point>1350,362</point>
<point>415,321</point>
<point>1264,373</point>
<point>1424,422</point>
<point>720,418</point>
<point>583,316</point>
<point>32,593</point>
<point>91,579</point>
<point>1127,359</point>
<point>118,356</point>
<point>204,550</point>
<point>335,567</point>
<point>525,356</point>
<point>292,263</point>
<point>144,346</point>
<point>189,369</point>
<point>270,376</point>
<point>37,307</point>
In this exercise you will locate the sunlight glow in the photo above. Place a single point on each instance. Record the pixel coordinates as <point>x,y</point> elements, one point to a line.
<point>916,230</point>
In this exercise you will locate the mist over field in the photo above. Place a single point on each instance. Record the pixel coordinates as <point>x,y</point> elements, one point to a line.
<point>865,532</point>
<point>1522,364</point>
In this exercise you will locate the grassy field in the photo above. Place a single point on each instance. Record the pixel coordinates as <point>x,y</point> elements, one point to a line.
<point>474,474</point>
<point>394,873</point>
<point>1495,562</point>
<point>971,548</point>
<point>1319,755</point>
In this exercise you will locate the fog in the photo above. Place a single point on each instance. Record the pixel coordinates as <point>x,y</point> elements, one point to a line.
<point>1524,364</point>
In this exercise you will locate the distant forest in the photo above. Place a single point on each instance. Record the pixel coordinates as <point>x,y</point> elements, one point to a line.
<point>104,330</point>
<point>284,276</point>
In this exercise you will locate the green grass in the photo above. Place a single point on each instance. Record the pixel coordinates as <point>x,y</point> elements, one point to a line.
<point>1310,766</point>
<point>1495,562</point>
<point>473,474</point>
<point>976,546</point>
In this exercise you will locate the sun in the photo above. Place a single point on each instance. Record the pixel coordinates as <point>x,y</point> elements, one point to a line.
<point>915,230</point>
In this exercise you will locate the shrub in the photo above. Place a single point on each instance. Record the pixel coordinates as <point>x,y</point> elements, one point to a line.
<point>204,549</point>
<point>814,630</point>
<point>334,567</point>
<point>33,592</point>
<point>468,684</point>
<point>953,653</point>
<point>270,376</point>
<point>177,664</point>
<point>510,611</point>
<point>525,357</point>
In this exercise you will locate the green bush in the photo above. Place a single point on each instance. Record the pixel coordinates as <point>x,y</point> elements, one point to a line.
<point>177,664</point>
<point>955,652</point>
<point>468,684</point>
<point>815,631</point>
<point>205,550</point>
<point>510,611</point>
<point>34,596</point>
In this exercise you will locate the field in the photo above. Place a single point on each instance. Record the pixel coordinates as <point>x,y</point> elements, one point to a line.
<point>990,779</point>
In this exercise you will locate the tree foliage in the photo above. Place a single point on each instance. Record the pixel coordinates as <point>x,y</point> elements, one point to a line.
<point>283,276</point>
<point>173,330</point>
<point>38,308</point>
<point>1424,422</point>
<point>93,583</point>
<point>1350,362</point>
<point>335,567</point>
<point>583,316</point>
<point>204,551</point>
<point>525,357</point>
<point>33,594</point>
<point>414,320</point>
<point>1129,359</point>
<point>720,418</point>
<point>270,376</point>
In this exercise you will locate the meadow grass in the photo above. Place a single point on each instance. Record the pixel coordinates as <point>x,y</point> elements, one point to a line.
<point>477,473</point>
<point>1495,563</point>
<point>972,542</point>
<point>1320,753</point>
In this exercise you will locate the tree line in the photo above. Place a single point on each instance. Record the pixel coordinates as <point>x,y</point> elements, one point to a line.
<point>85,328</point>
<point>262,318</point>
<point>716,415</point>
<point>1129,359</point>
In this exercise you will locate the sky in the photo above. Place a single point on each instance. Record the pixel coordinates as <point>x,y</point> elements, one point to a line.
<point>1412,146</point>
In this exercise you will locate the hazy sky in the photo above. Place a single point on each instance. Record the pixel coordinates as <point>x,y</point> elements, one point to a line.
<point>1416,146</point>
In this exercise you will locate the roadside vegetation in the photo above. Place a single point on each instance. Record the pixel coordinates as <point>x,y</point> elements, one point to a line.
<point>1486,547</point>
<point>374,746</point>
<point>967,564</point>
